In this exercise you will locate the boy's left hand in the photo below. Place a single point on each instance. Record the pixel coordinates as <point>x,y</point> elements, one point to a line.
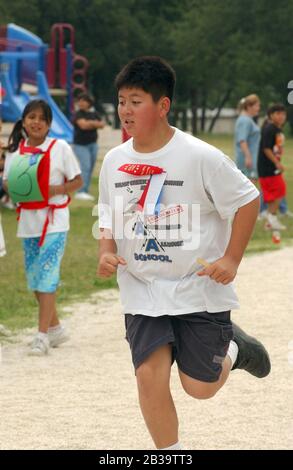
<point>222,271</point>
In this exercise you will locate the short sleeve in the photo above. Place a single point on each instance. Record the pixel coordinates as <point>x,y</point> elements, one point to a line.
<point>77,115</point>
<point>229,189</point>
<point>268,137</point>
<point>104,207</point>
<point>243,129</point>
<point>70,163</point>
<point>7,163</point>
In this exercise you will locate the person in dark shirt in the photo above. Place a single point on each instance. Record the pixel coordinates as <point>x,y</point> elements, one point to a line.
<point>86,122</point>
<point>270,168</point>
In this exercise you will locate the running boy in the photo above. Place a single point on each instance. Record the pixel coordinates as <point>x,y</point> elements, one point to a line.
<point>40,172</point>
<point>178,196</point>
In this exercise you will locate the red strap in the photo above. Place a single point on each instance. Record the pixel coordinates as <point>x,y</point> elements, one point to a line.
<point>28,149</point>
<point>51,210</point>
<point>42,204</point>
<point>51,145</point>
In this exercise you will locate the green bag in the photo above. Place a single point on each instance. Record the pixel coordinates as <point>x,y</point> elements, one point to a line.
<point>23,184</point>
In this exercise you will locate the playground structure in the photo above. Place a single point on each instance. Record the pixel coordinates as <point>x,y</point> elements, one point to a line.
<point>31,69</point>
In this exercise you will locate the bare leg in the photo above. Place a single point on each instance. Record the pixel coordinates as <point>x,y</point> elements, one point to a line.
<point>54,320</point>
<point>47,308</point>
<point>157,406</point>
<point>204,390</point>
<point>274,206</point>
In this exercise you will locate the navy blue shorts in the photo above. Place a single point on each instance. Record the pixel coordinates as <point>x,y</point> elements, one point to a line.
<point>199,340</point>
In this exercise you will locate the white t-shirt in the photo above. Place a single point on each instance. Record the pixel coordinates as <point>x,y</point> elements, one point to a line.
<point>202,191</point>
<point>63,164</point>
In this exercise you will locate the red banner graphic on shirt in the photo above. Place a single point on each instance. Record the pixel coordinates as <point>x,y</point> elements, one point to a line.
<point>138,169</point>
<point>152,192</point>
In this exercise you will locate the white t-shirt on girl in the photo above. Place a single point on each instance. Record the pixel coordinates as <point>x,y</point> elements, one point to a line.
<point>63,165</point>
<point>160,276</point>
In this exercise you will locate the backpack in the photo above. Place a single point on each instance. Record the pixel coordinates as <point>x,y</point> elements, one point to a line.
<point>28,182</point>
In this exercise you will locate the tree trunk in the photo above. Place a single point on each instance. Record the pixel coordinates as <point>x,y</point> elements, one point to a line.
<point>193,100</point>
<point>184,119</point>
<point>220,107</point>
<point>116,119</point>
<point>174,117</point>
<point>203,112</point>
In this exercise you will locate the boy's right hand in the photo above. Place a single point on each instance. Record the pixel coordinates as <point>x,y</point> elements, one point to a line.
<point>108,264</point>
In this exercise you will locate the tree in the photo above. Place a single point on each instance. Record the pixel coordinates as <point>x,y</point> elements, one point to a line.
<point>221,50</point>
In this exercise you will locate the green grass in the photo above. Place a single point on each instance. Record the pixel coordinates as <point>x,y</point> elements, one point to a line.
<point>17,306</point>
<point>261,240</point>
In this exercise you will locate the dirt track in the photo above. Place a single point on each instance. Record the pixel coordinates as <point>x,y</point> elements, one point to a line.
<point>83,395</point>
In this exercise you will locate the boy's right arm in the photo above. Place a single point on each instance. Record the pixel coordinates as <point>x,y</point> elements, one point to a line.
<point>108,258</point>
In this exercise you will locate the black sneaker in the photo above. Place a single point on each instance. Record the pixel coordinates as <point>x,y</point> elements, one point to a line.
<point>252,356</point>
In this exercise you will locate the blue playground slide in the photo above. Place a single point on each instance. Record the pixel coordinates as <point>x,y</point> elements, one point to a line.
<point>61,127</point>
<point>13,105</point>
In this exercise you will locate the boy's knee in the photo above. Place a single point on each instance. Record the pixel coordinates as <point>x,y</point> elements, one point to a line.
<point>202,391</point>
<point>145,374</point>
<point>149,378</point>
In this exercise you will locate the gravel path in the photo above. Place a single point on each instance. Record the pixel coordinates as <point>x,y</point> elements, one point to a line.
<point>83,395</point>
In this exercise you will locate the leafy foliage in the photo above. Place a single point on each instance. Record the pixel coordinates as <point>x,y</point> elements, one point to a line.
<point>221,50</point>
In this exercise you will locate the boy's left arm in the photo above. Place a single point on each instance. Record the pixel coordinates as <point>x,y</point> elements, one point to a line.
<point>224,269</point>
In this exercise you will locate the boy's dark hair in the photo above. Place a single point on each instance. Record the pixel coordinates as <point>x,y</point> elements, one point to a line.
<point>152,74</point>
<point>17,133</point>
<point>274,108</point>
<point>86,97</point>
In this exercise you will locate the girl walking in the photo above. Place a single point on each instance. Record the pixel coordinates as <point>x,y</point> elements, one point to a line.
<point>40,173</point>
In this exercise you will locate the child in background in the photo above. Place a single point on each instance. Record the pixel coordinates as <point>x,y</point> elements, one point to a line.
<point>247,137</point>
<point>86,124</point>
<point>2,241</point>
<point>39,173</point>
<point>270,167</point>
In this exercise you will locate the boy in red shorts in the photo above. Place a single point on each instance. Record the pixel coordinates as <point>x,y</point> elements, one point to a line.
<point>270,168</point>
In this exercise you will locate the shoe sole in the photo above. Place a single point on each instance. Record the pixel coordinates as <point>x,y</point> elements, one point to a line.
<point>54,344</point>
<point>37,353</point>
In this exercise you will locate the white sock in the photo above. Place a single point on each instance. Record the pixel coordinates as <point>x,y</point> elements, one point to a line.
<point>233,352</point>
<point>176,446</point>
<point>54,329</point>
<point>42,335</point>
